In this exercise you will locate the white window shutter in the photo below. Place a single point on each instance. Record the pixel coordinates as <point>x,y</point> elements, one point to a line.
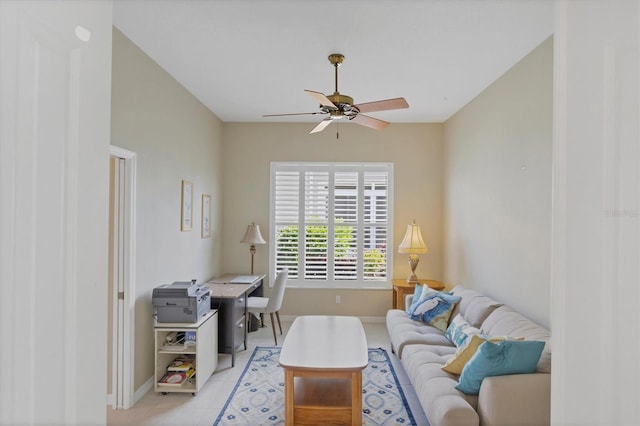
<point>332,222</point>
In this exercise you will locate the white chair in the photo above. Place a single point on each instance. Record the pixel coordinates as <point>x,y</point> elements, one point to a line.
<point>270,305</point>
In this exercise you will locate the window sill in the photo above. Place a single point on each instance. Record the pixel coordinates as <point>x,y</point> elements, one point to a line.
<point>342,286</point>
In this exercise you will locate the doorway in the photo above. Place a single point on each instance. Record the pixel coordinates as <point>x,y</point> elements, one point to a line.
<point>120,352</point>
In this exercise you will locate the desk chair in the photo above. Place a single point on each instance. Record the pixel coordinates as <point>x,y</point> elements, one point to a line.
<point>270,305</point>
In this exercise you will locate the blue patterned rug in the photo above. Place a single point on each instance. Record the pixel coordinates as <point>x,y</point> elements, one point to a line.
<point>258,397</point>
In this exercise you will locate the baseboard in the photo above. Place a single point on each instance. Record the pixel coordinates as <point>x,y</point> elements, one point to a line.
<point>137,395</point>
<point>370,320</point>
<point>373,320</point>
<point>142,390</point>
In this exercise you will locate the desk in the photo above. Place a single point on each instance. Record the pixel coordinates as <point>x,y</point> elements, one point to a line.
<point>230,299</point>
<point>401,288</point>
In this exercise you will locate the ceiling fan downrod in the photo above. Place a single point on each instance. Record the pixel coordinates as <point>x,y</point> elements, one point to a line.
<point>336,59</point>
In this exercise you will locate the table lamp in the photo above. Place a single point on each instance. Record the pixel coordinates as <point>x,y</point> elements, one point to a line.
<point>253,237</point>
<point>413,244</point>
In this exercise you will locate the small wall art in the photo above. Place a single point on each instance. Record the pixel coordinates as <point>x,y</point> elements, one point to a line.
<point>186,211</point>
<point>206,216</point>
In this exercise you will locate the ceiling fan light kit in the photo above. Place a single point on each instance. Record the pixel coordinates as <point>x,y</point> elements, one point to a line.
<point>338,106</point>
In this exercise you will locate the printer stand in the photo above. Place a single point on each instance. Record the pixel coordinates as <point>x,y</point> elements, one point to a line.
<point>204,353</point>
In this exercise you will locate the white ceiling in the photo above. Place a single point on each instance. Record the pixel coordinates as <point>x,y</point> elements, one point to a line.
<point>246,58</point>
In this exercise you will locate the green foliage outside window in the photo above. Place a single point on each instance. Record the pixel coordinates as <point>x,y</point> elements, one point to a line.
<point>316,243</point>
<point>374,263</point>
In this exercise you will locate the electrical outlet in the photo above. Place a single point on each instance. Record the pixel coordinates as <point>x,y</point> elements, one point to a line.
<point>338,299</point>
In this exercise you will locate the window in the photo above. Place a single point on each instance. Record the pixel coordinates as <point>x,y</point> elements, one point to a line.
<point>331,223</point>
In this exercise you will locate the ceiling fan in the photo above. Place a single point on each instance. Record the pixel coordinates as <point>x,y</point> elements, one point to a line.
<point>339,107</point>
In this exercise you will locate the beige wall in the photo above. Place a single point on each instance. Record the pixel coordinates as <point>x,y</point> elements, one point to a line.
<point>175,137</point>
<point>498,188</point>
<point>414,149</point>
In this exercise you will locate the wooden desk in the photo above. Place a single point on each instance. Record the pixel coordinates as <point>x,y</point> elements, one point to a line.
<point>230,299</point>
<point>401,288</point>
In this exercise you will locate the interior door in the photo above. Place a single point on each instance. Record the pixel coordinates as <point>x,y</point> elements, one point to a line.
<point>122,230</point>
<point>55,80</point>
<point>116,281</point>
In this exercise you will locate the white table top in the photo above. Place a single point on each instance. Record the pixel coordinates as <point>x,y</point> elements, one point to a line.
<point>325,342</point>
<point>224,287</point>
<point>194,325</point>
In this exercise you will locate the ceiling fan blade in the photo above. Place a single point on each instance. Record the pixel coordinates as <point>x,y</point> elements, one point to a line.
<point>320,97</point>
<point>320,127</point>
<point>365,120</point>
<point>396,103</point>
<point>295,113</point>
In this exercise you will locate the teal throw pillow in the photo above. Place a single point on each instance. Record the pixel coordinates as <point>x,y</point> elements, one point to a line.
<point>416,298</point>
<point>435,309</point>
<point>498,359</point>
<point>423,292</point>
<point>459,331</point>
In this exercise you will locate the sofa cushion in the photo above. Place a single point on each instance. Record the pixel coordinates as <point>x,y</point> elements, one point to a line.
<point>421,293</point>
<point>435,309</point>
<point>416,296</point>
<point>460,330</point>
<point>405,331</point>
<point>474,307</point>
<point>466,352</point>
<point>456,363</point>
<point>504,321</point>
<point>443,404</point>
<point>498,359</point>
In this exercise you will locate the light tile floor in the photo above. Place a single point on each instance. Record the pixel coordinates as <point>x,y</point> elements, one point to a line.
<point>203,408</point>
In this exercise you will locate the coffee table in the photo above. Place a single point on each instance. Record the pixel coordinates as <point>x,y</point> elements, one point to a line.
<point>323,358</point>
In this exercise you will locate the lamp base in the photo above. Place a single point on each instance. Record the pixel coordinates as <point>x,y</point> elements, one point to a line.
<point>413,279</point>
<point>413,263</point>
<point>252,250</point>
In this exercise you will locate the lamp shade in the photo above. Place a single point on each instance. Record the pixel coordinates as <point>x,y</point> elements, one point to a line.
<point>413,243</point>
<point>253,236</point>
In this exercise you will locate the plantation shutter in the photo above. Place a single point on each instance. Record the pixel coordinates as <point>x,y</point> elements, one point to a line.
<point>345,226</point>
<point>316,222</point>
<point>376,219</point>
<point>286,218</point>
<point>331,222</point>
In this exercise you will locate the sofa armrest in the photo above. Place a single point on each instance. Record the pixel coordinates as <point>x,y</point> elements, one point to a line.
<point>408,299</point>
<point>517,399</point>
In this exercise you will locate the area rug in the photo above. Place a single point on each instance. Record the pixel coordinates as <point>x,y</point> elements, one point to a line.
<point>258,397</point>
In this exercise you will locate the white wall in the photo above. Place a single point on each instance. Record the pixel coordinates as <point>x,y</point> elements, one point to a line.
<point>415,150</point>
<point>596,214</point>
<point>498,188</point>
<point>175,137</point>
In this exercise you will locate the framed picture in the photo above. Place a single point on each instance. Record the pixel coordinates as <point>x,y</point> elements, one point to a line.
<point>206,216</point>
<point>186,211</point>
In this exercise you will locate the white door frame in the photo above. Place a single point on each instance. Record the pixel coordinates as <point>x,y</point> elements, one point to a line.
<point>124,308</point>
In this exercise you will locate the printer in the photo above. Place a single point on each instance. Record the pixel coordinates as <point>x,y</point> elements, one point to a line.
<point>182,301</point>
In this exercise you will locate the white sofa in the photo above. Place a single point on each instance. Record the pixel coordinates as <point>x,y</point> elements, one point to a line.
<point>516,399</point>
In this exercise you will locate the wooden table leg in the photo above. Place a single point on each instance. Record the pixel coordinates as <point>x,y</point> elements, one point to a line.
<point>288,398</point>
<point>356,398</point>
<point>394,303</point>
<point>402,294</point>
